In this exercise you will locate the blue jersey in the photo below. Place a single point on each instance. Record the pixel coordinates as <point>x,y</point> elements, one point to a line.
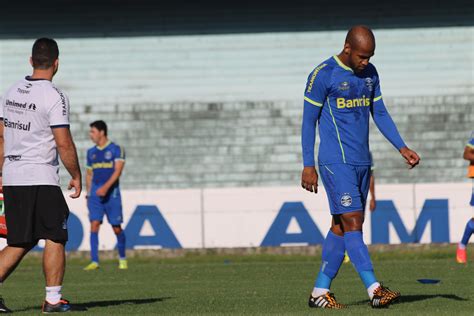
<point>341,102</point>
<point>101,160</point>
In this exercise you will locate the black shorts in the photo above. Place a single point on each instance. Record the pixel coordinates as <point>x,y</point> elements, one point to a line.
<point>35,212</point>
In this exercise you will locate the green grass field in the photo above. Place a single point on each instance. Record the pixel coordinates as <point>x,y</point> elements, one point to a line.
<point>251,284</point>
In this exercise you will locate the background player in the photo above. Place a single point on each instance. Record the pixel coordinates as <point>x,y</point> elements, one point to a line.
<point>461,255</point>
<point>35,130</point>
<point>105,163</point>
<point>340,95</point>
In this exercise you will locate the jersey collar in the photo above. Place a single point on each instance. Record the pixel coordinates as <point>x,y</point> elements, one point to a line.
<point>341,64</point>
<point>103,147</point>
<point>28,78</point>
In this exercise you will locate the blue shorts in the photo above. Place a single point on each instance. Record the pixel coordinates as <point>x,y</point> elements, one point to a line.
<point>346,186</point>
<point>110,205</point>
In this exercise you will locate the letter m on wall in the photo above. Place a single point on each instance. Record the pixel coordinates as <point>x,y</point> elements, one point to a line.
<point>434,211</point>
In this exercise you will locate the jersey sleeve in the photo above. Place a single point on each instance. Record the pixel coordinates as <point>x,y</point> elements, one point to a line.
<point>382,118</point>
<point>316,87</point>
<point>119,153</point>
<point>315,93</point>
<point>58,114</point>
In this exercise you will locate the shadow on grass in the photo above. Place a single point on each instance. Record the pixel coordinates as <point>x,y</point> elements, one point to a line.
<point>82,307</point>
<point>415,298</point>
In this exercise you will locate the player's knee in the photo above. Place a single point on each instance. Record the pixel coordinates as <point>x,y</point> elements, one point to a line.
<point>352,221</point>
<point>95,226</point>
<point>117,229</point>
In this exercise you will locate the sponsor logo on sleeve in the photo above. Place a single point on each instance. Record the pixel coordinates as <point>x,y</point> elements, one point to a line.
<point>63,101</point>
<point>313,77</point>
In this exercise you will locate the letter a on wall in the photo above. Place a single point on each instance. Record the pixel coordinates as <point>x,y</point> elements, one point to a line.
<point>292,212</point>
<point>163,235</point>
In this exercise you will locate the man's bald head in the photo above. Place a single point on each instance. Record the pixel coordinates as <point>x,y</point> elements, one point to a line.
<point>361,37</point>
<point>358,48</point>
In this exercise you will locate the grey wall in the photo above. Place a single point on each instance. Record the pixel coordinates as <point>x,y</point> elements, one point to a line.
<point>225,110</point>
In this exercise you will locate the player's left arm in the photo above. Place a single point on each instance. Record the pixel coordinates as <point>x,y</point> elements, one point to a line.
<point>387,127</point>
<point>119,164</point>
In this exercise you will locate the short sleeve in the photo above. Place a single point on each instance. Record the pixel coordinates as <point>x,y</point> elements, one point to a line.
<point>58,114</point>
<point>119,153</point>
<point>317,86</point>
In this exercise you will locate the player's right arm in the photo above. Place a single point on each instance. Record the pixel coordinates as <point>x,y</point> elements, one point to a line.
<point>314,97</point>
<point>68,153</point>
<point>58,116</point>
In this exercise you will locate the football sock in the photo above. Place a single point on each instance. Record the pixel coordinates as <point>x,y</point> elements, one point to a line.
<point>53,294</point>
<point>332,257</point>
<point>468,232</point>
<point>371,289</point>
<point>359,254</point>
<point>95,247</point>
<point>121,245</point>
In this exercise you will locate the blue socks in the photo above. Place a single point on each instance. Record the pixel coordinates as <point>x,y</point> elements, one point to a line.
<point>95,247</point>
<point>359,254</point>
<point>332,256</point>
<point>468,231</point>
<point>121,245</point>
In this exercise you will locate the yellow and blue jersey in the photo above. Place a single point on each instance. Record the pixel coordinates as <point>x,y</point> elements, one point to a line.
<point>101,160</point>
<point>341,102</point>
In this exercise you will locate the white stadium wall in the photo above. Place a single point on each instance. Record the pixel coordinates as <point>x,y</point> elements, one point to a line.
<point>211,126</point>
<point>185,107</point>
<point>286,216</point>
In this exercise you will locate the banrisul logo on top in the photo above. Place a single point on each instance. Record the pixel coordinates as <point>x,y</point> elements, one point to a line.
<point>17,125</point>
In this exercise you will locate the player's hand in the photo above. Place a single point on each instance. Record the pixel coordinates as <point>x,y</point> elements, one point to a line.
<point>309,179</point>
<point>101,192</point>
<point>372,205</point>
<point>1,184</point>
<point>411,157</point>
<point>77,185</point>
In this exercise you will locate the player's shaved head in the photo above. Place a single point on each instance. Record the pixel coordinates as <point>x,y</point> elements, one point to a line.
<point>358,48</point>
<point>361,37</point>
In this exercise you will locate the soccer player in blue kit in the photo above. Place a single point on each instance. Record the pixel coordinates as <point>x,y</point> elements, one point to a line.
<point>341,94</point>
<point>461,253</point>
<point>105,163</point>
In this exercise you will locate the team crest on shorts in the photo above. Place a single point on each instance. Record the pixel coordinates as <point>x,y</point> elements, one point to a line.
<point>346,200</point>
<point>108,155</point>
